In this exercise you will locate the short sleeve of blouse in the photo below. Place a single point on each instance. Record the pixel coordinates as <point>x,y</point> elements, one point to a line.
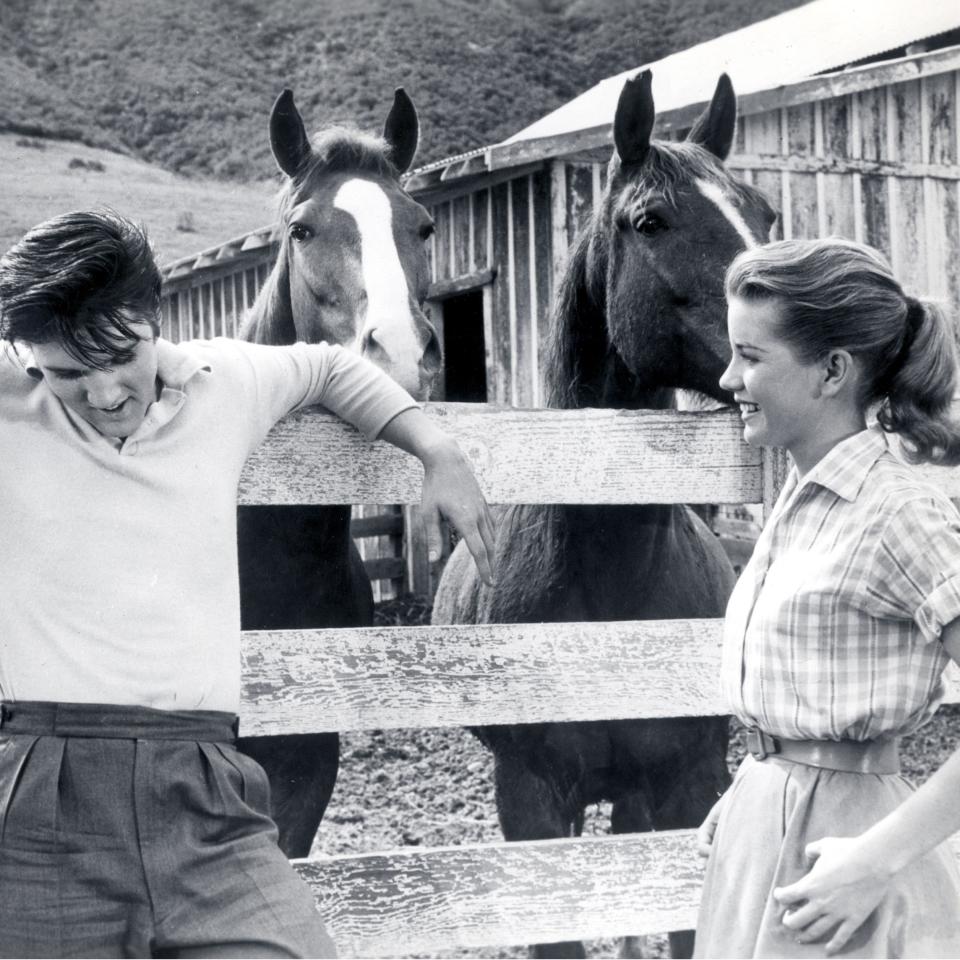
<point>915,570</point>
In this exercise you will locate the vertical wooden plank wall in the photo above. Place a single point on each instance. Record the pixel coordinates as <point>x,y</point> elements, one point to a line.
<point>209,303</point>
<point>879,165</point>
<point>505,227</point>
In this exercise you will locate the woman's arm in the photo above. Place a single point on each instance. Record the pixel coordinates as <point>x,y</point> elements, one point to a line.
<point>850,875</point>
<point>450,488</point>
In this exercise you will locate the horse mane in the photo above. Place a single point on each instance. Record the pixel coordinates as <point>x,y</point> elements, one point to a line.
<point>335,149</point>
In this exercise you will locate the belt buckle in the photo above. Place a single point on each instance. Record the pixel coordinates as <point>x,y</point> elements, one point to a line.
<point>760,745</point>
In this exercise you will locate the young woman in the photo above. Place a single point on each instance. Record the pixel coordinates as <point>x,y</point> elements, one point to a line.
<point>839,628</point>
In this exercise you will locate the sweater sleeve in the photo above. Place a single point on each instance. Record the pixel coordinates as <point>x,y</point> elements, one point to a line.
<point>288,378</point>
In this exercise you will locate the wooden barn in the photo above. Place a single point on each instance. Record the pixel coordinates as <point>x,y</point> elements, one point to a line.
<point>848,122</point>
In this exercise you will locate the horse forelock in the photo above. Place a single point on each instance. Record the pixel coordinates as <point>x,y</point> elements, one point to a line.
<point>669,167</point>
<point>337,150</point>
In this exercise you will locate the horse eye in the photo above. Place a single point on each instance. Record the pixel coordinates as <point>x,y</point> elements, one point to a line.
<point>649,224</point>
<point>300,232</point>
<point>427,231</point>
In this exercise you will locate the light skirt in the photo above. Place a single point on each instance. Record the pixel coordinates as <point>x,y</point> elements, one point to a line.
<point>774,809</point>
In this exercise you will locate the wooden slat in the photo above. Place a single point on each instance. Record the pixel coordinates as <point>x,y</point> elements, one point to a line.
<point>412,900</point>
<point>474,675</point>
<point>520,456</point>
<point>385,568</point>
<point>309,681</point>
<point>460,284</point>
<point>417,900</point>
<point>384,524</point>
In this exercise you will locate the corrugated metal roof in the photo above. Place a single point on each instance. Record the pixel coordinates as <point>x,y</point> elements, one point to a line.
<point>791,46</point>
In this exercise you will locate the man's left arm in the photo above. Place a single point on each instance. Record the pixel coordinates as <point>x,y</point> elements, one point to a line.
<point>450,488</point>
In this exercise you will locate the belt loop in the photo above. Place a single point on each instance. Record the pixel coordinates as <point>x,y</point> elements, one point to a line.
<point>761,745</point>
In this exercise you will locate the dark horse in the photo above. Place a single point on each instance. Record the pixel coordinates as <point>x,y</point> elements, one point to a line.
<point>352,269</point>
<point>640,312</point>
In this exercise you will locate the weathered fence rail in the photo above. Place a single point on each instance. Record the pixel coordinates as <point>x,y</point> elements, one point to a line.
<point>415,900</point>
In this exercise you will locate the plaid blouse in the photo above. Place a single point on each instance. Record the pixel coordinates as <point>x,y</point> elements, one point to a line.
<point>833,628</point>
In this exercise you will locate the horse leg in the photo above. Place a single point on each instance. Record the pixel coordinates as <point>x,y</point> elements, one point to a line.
<point>529,807</point>
<point>302,769</point>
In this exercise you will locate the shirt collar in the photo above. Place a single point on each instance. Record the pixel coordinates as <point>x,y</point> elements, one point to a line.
<point>177,364</point>
<point>844,468</point>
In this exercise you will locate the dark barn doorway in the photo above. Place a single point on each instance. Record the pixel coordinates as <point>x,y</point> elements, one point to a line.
<point>464,351</point>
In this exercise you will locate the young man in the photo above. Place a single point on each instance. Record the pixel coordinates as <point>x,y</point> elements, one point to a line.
<point>129,823</point>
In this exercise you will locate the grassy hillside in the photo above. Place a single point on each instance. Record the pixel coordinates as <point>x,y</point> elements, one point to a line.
<point>188,84</point>
<point>39,179</point>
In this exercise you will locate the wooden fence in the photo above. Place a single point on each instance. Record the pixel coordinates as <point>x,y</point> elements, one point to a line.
<point>419,900</point>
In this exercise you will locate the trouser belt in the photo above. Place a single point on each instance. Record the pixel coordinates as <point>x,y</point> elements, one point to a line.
<point>115,722</point>
<point>852,756</point>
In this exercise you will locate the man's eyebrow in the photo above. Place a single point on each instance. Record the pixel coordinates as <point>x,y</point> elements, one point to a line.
<point>68,369</point>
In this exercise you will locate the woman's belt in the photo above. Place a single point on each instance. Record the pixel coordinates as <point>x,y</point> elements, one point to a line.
<point>851,756</point>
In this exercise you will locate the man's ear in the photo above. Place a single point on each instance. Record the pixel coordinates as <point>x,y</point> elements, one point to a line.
<point>27,360</point>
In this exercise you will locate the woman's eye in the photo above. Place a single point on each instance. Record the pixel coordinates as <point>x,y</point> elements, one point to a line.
<point>649,224</point>
<point>300,232</point>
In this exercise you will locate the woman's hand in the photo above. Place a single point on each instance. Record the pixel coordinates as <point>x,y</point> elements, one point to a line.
<point>708,828</point>
<point>450,490</point>
<point>844,886</point>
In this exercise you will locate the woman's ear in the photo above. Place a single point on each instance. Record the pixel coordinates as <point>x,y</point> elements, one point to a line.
<point>839,372</point>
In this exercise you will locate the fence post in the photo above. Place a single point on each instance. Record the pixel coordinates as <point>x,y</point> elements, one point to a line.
<point>775,465</point>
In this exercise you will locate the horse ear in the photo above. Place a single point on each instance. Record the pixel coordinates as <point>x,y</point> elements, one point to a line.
<point>715,127</point>
<point>288,138</point>
<point>402,130</point>
<point>633,121</point>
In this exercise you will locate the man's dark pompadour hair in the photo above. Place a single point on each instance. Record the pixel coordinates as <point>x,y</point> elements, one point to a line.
<point>80,280</point>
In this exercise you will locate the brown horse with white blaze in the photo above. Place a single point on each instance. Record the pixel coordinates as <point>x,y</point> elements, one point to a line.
<point>640,313</point>
<point>352,269</point>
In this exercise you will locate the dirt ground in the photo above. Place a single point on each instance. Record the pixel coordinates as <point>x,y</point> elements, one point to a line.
<point>434,787</point>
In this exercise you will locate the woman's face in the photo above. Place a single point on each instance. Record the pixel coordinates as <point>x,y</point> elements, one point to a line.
<point>776,391</point>
<point>113,401</point>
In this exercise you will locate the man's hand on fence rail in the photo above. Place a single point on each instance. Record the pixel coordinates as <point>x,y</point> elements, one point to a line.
<point>450,488</point>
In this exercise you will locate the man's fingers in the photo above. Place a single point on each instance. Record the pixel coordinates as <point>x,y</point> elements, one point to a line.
<point>481,555</point>
<point>488,531</point>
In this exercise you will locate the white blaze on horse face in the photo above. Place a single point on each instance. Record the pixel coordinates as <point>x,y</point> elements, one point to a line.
<point>715,194</point>
<point>388,322</point>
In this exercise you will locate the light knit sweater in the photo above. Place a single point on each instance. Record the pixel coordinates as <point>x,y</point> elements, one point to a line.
<point>118,562</point>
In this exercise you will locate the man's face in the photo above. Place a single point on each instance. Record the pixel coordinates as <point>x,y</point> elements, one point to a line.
<point>114,400</point>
